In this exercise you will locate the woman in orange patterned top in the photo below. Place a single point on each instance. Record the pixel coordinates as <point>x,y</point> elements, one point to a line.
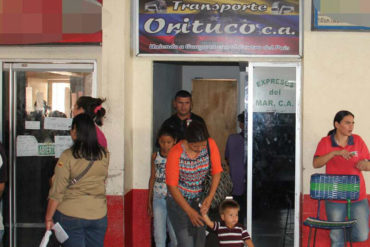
<point>186,169</point>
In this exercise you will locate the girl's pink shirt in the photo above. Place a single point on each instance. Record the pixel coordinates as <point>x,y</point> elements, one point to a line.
<point>101,137</point>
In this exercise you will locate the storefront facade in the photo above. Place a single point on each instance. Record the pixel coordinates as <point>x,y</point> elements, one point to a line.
<point>333,71</point>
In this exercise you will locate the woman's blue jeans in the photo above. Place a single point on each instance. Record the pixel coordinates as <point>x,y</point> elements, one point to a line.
<point>187,235</point>
<point>81,232</point>
<point>160,220</point>
<point>338,212</point>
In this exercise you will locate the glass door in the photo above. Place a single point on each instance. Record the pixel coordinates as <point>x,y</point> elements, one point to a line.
<point>273,184</point>
<point>37,103</point>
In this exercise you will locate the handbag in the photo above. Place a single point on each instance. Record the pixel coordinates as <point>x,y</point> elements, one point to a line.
<point>224,187</point>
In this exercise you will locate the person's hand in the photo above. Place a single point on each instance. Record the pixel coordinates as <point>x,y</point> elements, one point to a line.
<point>345,154</point>
<point>203,213</point>
<point>49,223</point>
<point>206,204</point>
<point>195,218</point>
<point>363,165</point>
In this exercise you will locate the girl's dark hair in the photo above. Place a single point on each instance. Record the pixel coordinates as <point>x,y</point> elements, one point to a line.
<point>92,107</point>
<point>196,132</point>
<point>86,145</point>
<point>165,131</point>
<point>338,118</point>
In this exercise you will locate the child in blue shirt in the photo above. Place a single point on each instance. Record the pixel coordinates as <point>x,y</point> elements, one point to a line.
<point>158,189</point>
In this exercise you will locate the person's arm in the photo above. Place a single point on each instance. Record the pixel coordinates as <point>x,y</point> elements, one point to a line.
<point>194,216</point>
<point>2,187</point>
<point>208,221</point>
<point>59,185</point>
<point>363,165</point>
<point>151,185</point>
<point>249,242</point>
<point>52,207</point>
<point>320,161</point>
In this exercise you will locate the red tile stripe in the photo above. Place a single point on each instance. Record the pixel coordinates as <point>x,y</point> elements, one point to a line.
<point>114,235</point>
<point>137,221</point>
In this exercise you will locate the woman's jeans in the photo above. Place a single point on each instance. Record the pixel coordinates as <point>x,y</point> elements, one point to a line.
<point>81,232</point>
<point>160,220</point>
<point>338,212</point>
<point>187,235</point>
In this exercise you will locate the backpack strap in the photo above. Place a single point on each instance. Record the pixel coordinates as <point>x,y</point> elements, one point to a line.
<point>209,156</point>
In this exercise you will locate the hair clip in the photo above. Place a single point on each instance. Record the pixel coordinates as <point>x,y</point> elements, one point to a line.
<point>97,109</point>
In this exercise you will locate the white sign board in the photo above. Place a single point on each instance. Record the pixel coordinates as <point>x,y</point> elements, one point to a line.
<point>27,145</point>
<point>32,125</point>
<point>274,90</point>
<point>57,123</point>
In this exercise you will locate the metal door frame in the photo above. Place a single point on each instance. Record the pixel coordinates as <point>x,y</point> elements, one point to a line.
<point>31,65</point>
<point>298,138</point>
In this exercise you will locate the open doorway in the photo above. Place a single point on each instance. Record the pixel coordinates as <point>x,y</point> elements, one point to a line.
<point>272,188</point>
<point>170,77</point>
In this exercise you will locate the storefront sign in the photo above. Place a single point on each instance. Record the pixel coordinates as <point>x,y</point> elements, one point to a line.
<point>274,91</point>
<point>224,27</point>
<point>25,22</point>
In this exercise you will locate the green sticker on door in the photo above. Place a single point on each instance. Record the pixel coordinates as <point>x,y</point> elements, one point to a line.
<point>46,149</point>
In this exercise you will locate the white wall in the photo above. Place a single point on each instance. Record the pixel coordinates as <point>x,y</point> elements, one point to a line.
<point>335,77</point>
<point>114,51</point>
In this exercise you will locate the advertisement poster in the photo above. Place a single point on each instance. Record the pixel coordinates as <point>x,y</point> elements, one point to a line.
<point>30,22</point>
<point>341,15</point>
<point>225,27</point>
<point>274,90</point>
